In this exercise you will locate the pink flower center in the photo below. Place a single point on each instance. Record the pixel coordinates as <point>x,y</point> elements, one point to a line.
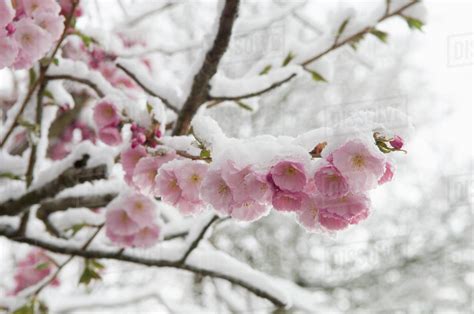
<point>223,189</point>
<point>290,171</point>
<point>26,38</point>
<point>139,206</point>
<point>173,184</point>
<point>358,161</point>
<point>195,178</point>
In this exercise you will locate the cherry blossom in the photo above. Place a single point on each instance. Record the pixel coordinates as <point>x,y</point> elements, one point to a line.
<point>361,167</point>
<point>146,170</point>
<point>289,176</point>
<point>36,266</point>
<point>131,221</point>
<point>338,213</point>
<point>388,174</point>
<point>329,182</point>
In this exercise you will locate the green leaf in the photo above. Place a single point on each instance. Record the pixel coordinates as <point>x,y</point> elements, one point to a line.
<point>96,264</point>
<point>265,70</point>
<point>42,266</point>
<point>25,309</point>
<point>87,40</point>
<point>244,106</point>
<point>32,76</point>
<point>10,175</point>
<point>88,275</point>
<point>48,94</point>
<point>149,107</point>
<point>354,43</point>
<point>342,27</point>
<point>76,228</point>
<point>205,153</point>
<point>382,36</point>
<point>290,56</point>
<point>35,128</point>
<point>316,76</point>
<point>414,23</point>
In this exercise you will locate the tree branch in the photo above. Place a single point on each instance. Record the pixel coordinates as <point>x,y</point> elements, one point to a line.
<point>77,80</point>
<point>67,179</point>
<point>360,33</point>
<point>200,86</point>
<point>9,232</point>
<point>198,239</point>
<point>218,99</point>
<point>146,89</point>
<point>51,206</point>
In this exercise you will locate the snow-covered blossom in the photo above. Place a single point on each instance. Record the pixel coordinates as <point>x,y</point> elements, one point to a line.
<point>129,159</point>
<point>131,221</point>
<point>338,213</point>
<point>146,170</point>
<point>361,166</point>
<point>28,31</point>
<point>216,191</point>
<point>289,176</point>
<point>329,182</point>
<point>106,114</point>
<point>110,135</point>
<point>179,183</point>
<point>32,269</point>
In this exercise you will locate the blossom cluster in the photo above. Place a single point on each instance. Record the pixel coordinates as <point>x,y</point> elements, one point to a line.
<point>28,31</point>
<point>36,266</point>
<point>324,194</point>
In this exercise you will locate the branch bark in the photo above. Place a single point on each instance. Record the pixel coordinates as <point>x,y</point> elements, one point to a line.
<point>9,232</point>
<point>67,179</point>
<point>200,86</point>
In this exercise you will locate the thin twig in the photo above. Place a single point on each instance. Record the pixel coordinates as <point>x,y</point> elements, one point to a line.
<point>358,34</point>
<point>198,239</point>
<point>218,99</point>
<point>146,89</point>
<point>92,85</point>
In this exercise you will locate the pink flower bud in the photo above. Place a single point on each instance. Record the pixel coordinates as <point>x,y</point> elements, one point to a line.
<point>397,142</point>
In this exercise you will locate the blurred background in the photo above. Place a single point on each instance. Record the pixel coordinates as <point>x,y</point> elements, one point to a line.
<point>415,252</point>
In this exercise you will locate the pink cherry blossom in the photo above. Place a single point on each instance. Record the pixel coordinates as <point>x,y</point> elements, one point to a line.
<point>250,210</point>
<point>217,192</point>
<point>106,114</point>
<point>308,217</point>
<point>140,209</point>
<point>388,174</point>
<point>52,23</point>
<point>397,142</point>
<point>146,170</point>
<point>7,13</point>
<point>289,176</point>
<point>120,240</point>
<point>179,183</point>
<point>245,183</point>
<point>287,201</point>
<point>110,135</point>
<point>147,236</point>
<point>129,159</point>
<point>120,222</point>
<point>9,51</point>
<point>362,167</point>
<point>32,41</point>
<point>35,6</point>
<point>329,182</point>
<point>32,269</point>
<point>338,213</point>
<point>190,175</point>
<point>131,221</point>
